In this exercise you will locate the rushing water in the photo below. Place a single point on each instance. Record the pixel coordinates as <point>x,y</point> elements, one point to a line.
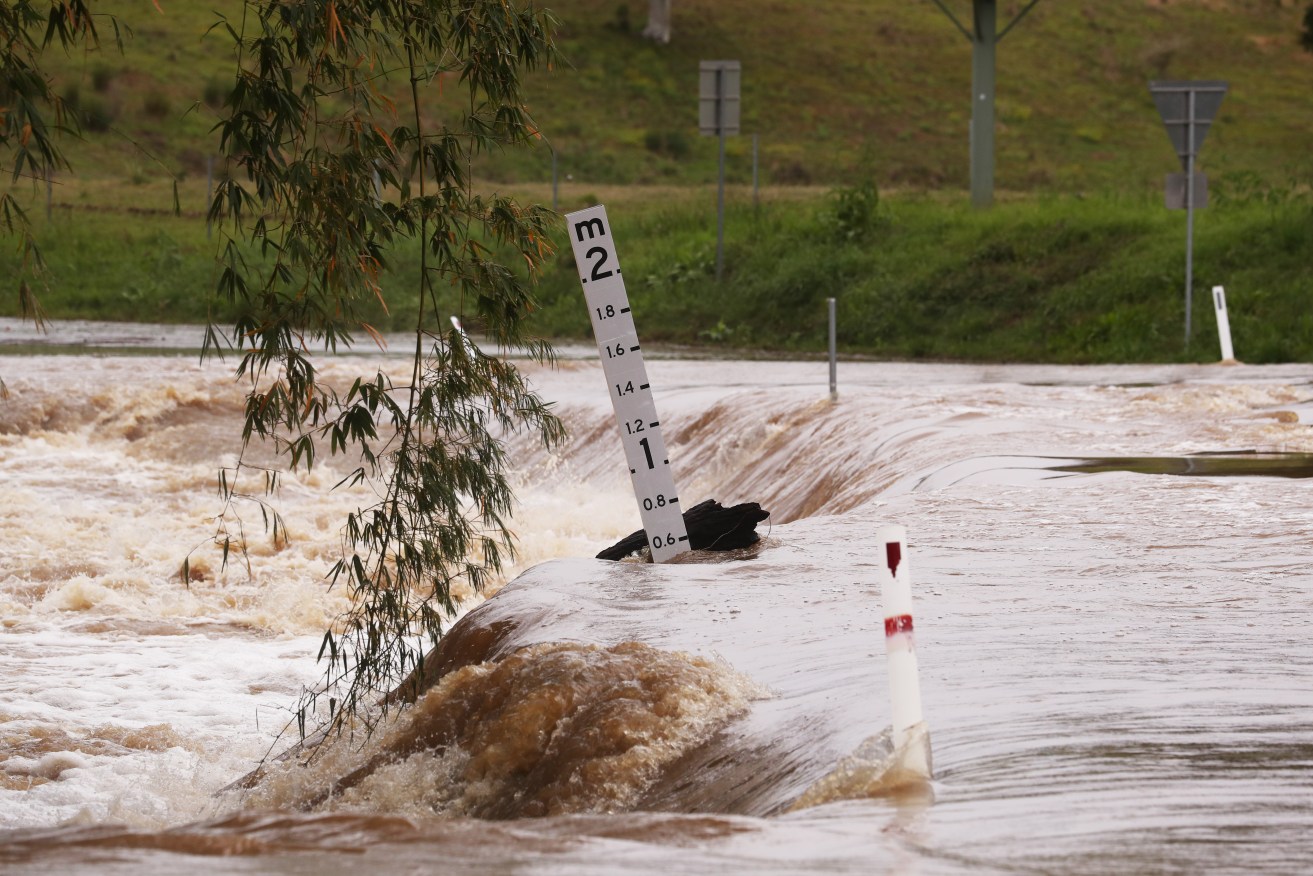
<point>1114,627</point>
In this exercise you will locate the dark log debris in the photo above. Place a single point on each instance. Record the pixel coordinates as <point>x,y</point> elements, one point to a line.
<point>711,527</point>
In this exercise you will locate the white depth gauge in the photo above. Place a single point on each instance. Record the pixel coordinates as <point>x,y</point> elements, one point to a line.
<point>626,379</point>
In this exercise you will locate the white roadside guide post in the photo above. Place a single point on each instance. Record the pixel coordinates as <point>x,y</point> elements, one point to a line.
<point>469,345</point>
<point>911,738</point>
<point>1223,324</point>
<point>627,383</point>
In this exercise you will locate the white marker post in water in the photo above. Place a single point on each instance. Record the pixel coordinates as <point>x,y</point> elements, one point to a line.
<point>910,737</point>
<point>1223,324</point>
<point>627,383</point>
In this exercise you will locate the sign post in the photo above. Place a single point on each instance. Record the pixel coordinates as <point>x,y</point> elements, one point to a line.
<point>1188,108</point>
<point>834,358</point>
<point>1223,325</point>
<point>718,115</point>
<point>627,383</point>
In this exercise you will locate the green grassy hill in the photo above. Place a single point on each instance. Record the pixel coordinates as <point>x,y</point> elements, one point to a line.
<point>855,87</point>
<point>1078,262</point>
<point>835,91</point>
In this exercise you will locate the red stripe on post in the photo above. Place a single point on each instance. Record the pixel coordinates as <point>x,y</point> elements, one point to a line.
<point>900,624</point>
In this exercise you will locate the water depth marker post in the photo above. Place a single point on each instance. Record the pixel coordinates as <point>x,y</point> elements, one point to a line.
<point>627,383</point>
<point>910,736</point>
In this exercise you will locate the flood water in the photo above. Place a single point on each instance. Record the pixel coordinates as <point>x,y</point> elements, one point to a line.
<point>1114,622</point>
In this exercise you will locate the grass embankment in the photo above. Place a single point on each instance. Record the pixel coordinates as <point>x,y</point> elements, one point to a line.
<point>1045,279</point>
<point>838,92</point>
<point>835,91</point>
<point>1060,280</point>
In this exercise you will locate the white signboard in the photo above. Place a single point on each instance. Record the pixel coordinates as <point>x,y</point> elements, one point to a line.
<point>627,383</point>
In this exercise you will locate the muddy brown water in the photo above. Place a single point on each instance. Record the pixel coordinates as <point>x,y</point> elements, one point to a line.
<point>1116,662</point>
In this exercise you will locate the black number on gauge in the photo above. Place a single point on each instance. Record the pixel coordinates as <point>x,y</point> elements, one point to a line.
<point>598,273</point>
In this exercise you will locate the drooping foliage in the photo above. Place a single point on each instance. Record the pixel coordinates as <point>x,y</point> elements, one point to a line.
<point>32,113</point>
<point>349,133</point>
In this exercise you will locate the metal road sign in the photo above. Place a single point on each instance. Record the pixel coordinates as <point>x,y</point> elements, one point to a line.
<point>1188,109</point>
<point>718,97</point>
<point>718,116</point>
<point>1174,191</point>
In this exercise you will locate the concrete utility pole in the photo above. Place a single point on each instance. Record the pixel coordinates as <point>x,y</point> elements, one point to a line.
<point>658,21</point>
<point>984,37</point>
